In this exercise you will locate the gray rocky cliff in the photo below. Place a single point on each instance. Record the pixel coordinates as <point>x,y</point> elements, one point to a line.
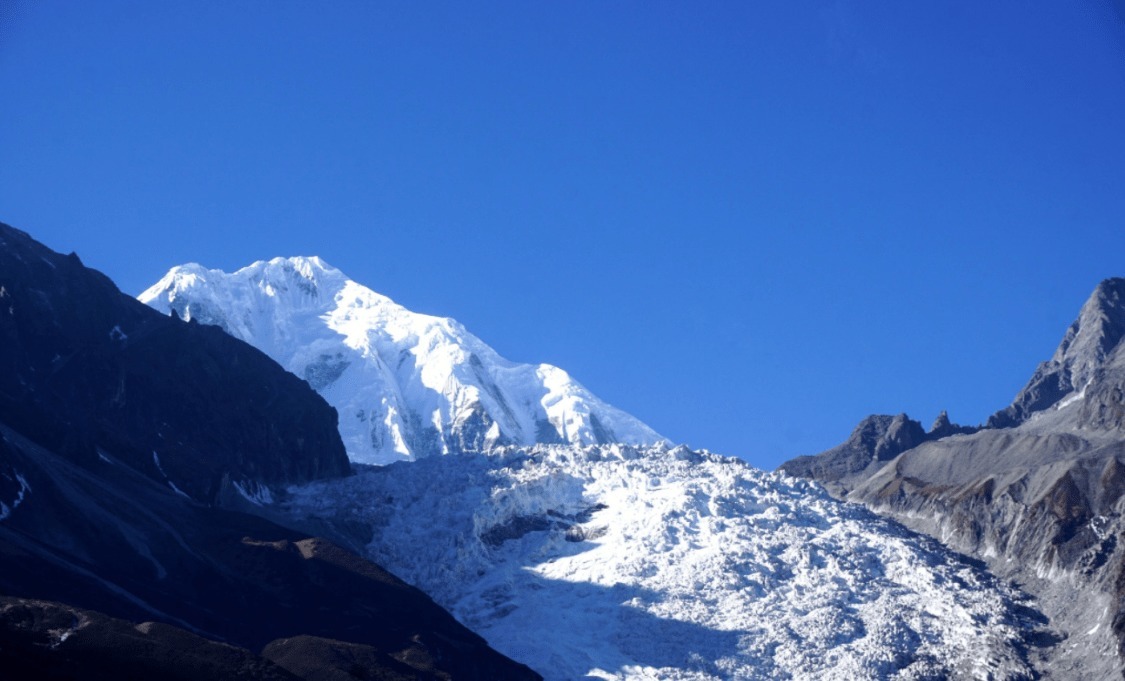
<point>1085,350</point>
<point>1039,493</point>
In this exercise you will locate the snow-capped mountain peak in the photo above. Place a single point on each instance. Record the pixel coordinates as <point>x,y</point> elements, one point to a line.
<point>405,385</point>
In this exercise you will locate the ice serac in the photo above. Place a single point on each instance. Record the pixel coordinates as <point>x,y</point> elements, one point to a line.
<point>1039,494</point>
<point>406,385</point>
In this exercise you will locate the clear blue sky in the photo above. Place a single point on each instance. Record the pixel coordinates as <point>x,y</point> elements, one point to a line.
<point>749,224</point>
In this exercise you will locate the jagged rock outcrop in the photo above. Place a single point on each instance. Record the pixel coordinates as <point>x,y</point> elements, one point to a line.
<point>1089,342</point>
<point>943,427</point>
<point>1039,493</point>
<point>876,440</point>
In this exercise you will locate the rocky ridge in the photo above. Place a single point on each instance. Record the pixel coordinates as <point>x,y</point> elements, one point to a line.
<point>1039,493</point>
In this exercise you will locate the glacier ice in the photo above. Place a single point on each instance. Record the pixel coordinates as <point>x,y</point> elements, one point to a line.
<point>621,562</point>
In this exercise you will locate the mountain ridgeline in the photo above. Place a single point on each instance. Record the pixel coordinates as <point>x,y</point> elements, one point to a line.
<point>1038,492</point>
<point>166,491</point>
<point>128,439</point>
<point>406,385</point>
<point>662,562</point>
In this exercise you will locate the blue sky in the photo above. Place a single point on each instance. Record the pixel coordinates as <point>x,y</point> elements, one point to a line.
<point>749,224</point>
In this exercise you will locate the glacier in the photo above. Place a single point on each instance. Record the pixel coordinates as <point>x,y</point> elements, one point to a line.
<point>621,562</point>
<point>574,537</point>
<point>405,385</point>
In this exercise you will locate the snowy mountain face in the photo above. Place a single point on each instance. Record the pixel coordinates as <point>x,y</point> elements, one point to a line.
<point>619,562</point>
<point>570,535</point>
<point>405,385</point>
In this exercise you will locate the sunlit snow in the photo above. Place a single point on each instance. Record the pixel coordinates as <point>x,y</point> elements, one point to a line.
<point>405,385</point>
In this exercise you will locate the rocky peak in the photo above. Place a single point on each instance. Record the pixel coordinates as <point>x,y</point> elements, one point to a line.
<point>1084,351</point>
<point>877,438</point>
<point>887,436</point>
<point>1094,335</point>
<point>941,423</point>
<point>943,427</point>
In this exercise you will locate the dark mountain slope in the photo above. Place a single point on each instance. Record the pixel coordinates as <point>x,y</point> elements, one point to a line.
<point>123,436</point>
<point>1039,493</point>
<point>50,641</point>
<point>84,366</point>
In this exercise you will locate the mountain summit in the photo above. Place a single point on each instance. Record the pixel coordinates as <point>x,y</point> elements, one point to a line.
<point>1089,346</point>
<point>406,385</point>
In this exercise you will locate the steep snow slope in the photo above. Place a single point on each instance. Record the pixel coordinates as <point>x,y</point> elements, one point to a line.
<point>405,385</point>
<point>617,562</point>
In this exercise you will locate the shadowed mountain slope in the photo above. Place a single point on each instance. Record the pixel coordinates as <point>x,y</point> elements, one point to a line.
<point>126,439</point>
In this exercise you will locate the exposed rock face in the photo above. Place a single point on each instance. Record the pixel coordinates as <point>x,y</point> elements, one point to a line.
<point>1039,493</point>
<point>876,440</point>
<point>1089,342</point>
<point>48,640</point>
<point>125,439</point>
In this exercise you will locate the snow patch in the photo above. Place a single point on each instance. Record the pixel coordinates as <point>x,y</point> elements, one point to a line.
<point>171,485</point>
<point>1072,398</point>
